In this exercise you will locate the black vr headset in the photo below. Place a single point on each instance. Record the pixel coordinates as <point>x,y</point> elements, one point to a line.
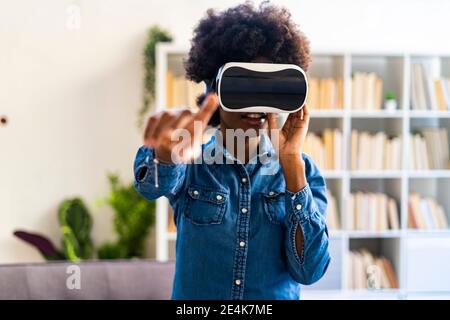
<point>260,87</point>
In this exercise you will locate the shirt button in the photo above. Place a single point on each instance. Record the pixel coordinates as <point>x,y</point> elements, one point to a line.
<point>244,180</point>
<point>244,210</point>
<point>219,197</point>
<point>298,206</point>
<point>195,193</point>
<point>238,282</point>
<point>242,244</point>
<point>271,193</point>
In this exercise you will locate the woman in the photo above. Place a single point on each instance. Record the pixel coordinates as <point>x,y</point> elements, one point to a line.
<point>243,232</point>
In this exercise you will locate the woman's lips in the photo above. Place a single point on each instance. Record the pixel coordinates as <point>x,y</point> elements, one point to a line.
<point>254,119</point>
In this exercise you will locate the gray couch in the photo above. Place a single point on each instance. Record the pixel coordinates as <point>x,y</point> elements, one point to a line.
<point>140,279</point>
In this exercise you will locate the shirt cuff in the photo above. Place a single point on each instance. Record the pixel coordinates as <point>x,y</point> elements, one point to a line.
<point>146,169</point>
<point>299,205</point>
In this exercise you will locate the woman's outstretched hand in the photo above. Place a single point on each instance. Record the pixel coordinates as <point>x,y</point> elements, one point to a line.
<point>161,126</point>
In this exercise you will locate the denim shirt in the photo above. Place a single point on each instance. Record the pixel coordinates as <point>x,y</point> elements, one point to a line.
<point>236,225</point>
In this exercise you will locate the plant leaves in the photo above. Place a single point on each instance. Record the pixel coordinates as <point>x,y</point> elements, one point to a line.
<point>42,243</point>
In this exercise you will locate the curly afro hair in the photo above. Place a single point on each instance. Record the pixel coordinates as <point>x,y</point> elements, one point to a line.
<point>242,34</point>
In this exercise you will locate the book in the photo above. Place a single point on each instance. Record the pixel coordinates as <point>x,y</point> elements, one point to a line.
<point>325,148</point>
<point>419,87</point>
<point>313,93</point>
<point>393,283</point>
<point>333,222</point>
<point>419,156</point>
<point>384,281</point>
<point>354,150</point>
<point>375,151</point>
<point>428,92</point>
<point>367,91</point>
<point>351,219</point>
<point>394,223</point>
<point>328,141</point>
<point>374,212</point>
<point>430,88</point>
<point>425,213</point>
<point>439,89</point>
<point>429,149</point>
<point>445,83</point>
<point>370,271</point>
<point>337,148</point>
<point>325,93</point>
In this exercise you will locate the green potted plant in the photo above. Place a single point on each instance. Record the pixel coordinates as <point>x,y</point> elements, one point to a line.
<point>132,221</point>
<point>75,223</point>
<point>390,102</point>
<point>155,34</point>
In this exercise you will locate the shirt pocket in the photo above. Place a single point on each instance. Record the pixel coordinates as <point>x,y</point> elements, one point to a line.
<point>205,206</point>
<point>274,206</point>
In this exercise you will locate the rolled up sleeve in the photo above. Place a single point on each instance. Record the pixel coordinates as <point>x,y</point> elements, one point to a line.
<point>306,210</point>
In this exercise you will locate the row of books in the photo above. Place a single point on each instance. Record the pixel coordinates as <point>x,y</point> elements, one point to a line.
<point>328,93</point>
<point>367,91</point>
<point>425,213</point>
<point>333,221</point>
<point>325,93</point>
<point>367,271</point>
<point>375,151</point>
<point>372,212</point>
<point>428,92</point>
<point>181,92</point>
<point>429,149</point>
<point>377,212</point>
<point>326,149</point>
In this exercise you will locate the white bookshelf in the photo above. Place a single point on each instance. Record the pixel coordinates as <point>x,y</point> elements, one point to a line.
<point>406,249</point>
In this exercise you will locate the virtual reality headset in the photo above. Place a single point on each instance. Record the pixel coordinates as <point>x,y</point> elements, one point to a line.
<point>260,87</point>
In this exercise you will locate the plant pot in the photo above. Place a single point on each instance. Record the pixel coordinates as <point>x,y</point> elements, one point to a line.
<point>390,105</point>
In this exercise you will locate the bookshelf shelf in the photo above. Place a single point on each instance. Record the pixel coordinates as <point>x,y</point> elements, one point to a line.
<point>336,234</point>
<point>333,174</point>
<point>405,248</point>
<point>375,174</point>
<point>429,114</point>
<point>376,114</point>
<point>371,234</point>
<point>327,113</point>
<point>425,174</point>
<point>428,233</point>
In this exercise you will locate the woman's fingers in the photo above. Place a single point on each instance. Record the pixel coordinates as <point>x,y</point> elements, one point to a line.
<point>300,126</point>
<point>207,109</point>
<point>161,126</point>
<point>297,123</point>
<point>151,123</point>
<point>182,119</point>
<point>163,122</point>
<point>272,123</point>
<point>298,119</point>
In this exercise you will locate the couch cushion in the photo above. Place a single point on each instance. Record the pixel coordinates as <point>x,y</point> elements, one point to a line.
<point>131,279</point>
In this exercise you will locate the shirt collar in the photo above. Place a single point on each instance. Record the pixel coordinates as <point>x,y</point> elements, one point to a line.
<point>265,147</point>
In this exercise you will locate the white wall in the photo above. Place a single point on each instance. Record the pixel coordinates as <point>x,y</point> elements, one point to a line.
<point>71,95</point>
